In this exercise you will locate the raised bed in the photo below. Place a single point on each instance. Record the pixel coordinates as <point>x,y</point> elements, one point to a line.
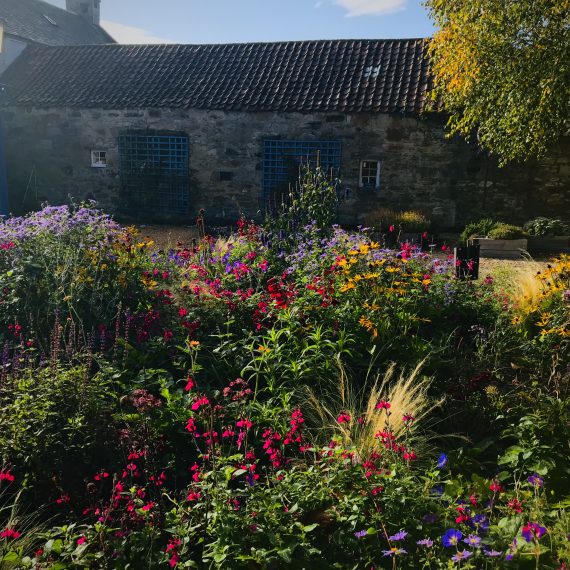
<point>502,248</point>
<point>549,244</point>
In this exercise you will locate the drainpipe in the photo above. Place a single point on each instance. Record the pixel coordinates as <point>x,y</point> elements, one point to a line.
<point>3,180</point>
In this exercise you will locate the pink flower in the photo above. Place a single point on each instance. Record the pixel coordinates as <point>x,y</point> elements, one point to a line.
<point>343,419</point>
<point>199,402</point>
<point>81,540</point>
<point>383,405</point>
<point>391,228</point>
<point>190,384</point>
<point>148,506</point>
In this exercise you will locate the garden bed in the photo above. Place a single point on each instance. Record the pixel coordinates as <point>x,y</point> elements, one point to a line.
<point>314,401</point>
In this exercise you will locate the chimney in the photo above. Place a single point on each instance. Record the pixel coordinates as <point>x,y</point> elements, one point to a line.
<point>88,9</point>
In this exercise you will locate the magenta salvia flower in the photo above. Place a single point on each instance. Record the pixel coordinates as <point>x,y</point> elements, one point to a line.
<point>398,536</point>
<point>461,555</point>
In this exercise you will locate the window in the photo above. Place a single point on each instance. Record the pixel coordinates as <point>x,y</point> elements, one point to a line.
<point>282,158</point>
<point>99,159</point>
<point>370,173</point>
<point>154,169</point>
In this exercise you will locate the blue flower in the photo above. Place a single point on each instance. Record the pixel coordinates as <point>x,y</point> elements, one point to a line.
<point>451,537</point>
<point>442,461</point>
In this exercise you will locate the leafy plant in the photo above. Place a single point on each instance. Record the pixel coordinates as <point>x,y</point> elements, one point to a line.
<point>547,227</point>
<point>507,231</point>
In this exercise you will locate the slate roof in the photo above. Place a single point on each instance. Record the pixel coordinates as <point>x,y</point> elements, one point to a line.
<point>384,76</point>
<point>27,19</point>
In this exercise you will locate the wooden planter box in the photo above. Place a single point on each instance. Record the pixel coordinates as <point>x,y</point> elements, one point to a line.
<point>549,244</point>
<point>502,248</point>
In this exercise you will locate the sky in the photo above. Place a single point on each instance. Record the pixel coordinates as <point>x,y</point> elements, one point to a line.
<point>227,21</point>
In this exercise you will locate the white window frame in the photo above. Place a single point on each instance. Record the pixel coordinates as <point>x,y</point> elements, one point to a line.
<point>378,166</point>
<point>96,161</point>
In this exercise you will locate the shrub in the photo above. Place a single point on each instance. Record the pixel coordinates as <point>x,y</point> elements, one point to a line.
<point>410,221</point>
<point>477,229</point>
<point>547,227</point>
<point>506,231</point>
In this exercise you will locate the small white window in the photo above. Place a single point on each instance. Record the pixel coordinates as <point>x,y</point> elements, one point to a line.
<point>370,173</point>
<point>99,158</point>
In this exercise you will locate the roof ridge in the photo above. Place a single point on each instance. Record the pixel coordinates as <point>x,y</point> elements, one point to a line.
<point>228,44</point>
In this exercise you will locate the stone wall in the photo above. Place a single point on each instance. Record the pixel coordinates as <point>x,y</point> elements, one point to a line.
<point>48,155</point>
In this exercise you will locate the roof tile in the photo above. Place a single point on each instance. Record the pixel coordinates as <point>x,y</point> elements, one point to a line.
<point>310,76</point>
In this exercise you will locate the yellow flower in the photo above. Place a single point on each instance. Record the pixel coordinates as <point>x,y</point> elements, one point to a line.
<point>347,287</point>
<point>193,343</point>
<point>392,269</point>
<point>516,321</point>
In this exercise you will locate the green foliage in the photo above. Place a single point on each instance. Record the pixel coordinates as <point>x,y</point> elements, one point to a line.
<point>547,227</point>
<point>502,69</point>
<point>481,228</point>
<point>409,221</point>
<point>313,201</point>
<point>506,231</point>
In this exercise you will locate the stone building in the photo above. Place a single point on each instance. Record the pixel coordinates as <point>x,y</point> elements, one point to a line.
<point>161,131</point>
<point>33,22</point>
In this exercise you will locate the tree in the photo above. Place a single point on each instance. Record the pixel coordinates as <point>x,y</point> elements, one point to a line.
<point>502,69</point>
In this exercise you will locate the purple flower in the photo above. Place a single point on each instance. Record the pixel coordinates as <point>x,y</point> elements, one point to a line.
<point>451,537</point>
<point>442,461</point>
<point>536,480</point>
<point>472,540</point>
<point>394,552</point>
<point>438,490</point>
<point>428,543</point>
<point>398,536</point>
<point>360,533</point>
<point>430,518</point>
<point>492,553</point>
<point>480,522</point>
<point>461,555</point>
<point>533,531</point>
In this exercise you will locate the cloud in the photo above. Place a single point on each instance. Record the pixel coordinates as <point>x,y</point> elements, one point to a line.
<point>374,7</point>
<point>131,35</point>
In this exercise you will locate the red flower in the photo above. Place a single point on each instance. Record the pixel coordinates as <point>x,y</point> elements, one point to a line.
<point>148,506</point>
<point>199,402</point>
<point>496,487</point>
<point>10,534</point>
<point>383,405</point>
<point>515,505</point>
<point>343,419</point>
<point>5,475</point>
<point>81,540</point>
<point>190,384</point>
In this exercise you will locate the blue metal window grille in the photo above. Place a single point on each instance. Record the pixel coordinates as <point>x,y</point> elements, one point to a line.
<point>154,171</point>
<point>282,158</point>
